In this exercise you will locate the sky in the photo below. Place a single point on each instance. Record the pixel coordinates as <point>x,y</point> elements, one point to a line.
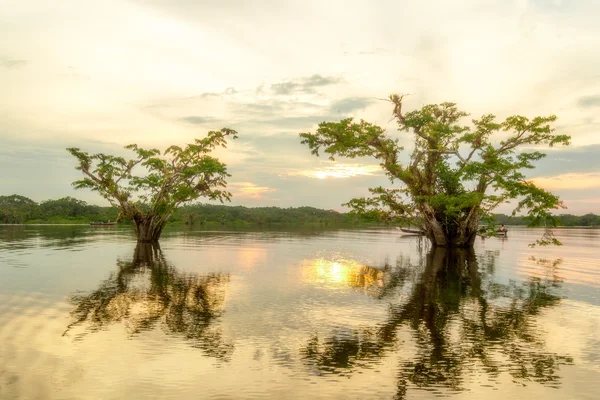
<point>101,75</point>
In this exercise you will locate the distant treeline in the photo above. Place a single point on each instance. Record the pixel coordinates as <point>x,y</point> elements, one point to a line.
<point>592,220</point>
<point>207,214</point>
<point>17,209</point>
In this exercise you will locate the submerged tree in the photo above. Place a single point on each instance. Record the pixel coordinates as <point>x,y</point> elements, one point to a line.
<point>456,175</point>
<point>179,176</point>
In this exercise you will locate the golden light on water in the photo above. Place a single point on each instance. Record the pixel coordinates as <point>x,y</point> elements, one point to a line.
<point>341,273</point>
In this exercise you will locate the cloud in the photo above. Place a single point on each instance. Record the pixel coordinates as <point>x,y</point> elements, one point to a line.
<point>265,111</point>
<point>528,57</point>
<point>304,85</point>
<point>7,62</point>
<point>43,169</point>
<point>265,107</point>
<point>249,190</point>
<point>351,104</point>
<point>592,201</point>
<point>586,201</point>
<point>284,87</point>
<point>318,80</point>
<point>372,52</point>
<point>589,101</point>
<point>198,120</point>
<point>294,123</point>
<point>569,181</point>
<point>338,171</point>
<point>73,73</point>
<point>581,159</point>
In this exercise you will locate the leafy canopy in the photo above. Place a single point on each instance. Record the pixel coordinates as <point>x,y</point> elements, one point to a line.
<point>457,173</point>
<point>176,176</point>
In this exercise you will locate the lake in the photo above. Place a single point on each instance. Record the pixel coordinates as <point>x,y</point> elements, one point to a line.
<point>85,313</point>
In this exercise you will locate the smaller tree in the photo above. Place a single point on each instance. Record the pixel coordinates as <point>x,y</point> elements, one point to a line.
<point>178,176</point>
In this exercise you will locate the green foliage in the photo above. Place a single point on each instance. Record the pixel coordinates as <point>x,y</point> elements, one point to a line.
<point>178,176</point>
<point>19,210</point>
<point>16,209</point>
<point>588,220</point>
<point>457,173</point>
<point>69,210</point>
<point>210,215</point>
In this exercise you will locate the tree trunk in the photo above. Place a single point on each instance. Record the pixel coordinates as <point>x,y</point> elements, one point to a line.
<point>146,254</point>
<point>149,228</point>
<point>433,229</point>
<point>442,232</point>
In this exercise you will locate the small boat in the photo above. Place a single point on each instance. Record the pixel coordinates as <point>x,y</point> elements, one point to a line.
<point>411,231</point>
<point>102,223</point>
<point>495,233</point>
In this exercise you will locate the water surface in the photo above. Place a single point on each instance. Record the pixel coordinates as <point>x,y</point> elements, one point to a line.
<point>85,313</point>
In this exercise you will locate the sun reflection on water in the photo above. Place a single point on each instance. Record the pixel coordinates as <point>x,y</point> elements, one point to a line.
<point>341,273</point>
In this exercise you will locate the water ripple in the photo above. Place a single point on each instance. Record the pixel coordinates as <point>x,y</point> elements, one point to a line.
<point>359,314</point>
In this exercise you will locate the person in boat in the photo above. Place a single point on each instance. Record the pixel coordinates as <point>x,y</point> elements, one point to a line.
<point>502,228</point>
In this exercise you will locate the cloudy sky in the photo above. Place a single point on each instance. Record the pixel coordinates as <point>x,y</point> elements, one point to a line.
<point>102,74</point>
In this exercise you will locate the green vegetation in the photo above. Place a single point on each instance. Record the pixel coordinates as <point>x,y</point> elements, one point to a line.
<point>165,182</point>
<point>457,174</point>
<point>588,220</point>
<point>208,215</point>
<point>17,209</point>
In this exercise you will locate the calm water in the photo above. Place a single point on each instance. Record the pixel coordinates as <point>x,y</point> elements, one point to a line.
<point>338,314</point>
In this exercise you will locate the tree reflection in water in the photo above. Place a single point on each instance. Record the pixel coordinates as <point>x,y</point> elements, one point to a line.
<point>147,292</point>
<point>461,322</point>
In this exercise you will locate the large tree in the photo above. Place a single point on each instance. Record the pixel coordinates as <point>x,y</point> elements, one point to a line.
<point>456,174</point>
<point>166,181</point>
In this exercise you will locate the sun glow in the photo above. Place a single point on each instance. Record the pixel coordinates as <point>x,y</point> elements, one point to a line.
<point>249,190</point>
<point>340,171</point>
<point>569,181</point>
<point>341,273</point>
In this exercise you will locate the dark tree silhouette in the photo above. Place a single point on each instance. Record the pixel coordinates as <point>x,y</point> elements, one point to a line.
<point>450,292</point>
<point>147,292</point>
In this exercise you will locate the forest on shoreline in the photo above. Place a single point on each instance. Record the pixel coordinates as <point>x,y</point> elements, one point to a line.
<point>16,209</point>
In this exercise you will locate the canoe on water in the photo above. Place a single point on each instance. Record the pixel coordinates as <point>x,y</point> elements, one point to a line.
<point>411,231</point>
<point>421,232</point>
<point>496,233</point>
